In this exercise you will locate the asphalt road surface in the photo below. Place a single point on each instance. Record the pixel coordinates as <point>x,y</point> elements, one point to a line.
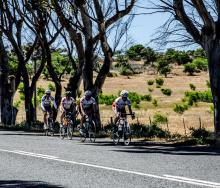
<point>33,160</point>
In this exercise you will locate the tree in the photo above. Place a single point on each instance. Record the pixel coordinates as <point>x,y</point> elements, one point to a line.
<point>201,21</point>
<point>135,52</point>
<point>163,66</point>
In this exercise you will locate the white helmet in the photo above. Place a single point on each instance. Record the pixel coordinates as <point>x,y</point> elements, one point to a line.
<point>124,93</point>
<point>88,93</point>
<point>47,91</point>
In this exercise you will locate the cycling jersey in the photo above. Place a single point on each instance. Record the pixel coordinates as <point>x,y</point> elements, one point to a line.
<point>87,104</point>
<point>47,102</point>
<point>120,103</point>
<point>67,104</point>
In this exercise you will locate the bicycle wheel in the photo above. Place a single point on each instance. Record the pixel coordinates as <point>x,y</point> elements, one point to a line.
<point>92,132</point>
<point>82,137</point>
<point>69,132</point>
<point>46,132</point>
<point>62,132</point>
<point>127,137</point>
<point>115,138</point>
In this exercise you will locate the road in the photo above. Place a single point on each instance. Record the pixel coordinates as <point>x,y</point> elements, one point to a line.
<point>33,160</point>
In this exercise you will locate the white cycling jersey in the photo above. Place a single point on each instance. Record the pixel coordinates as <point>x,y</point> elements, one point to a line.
<point>66,104</point>
<point>120,103</point>
<point>48,102</point>
<point>87,104</point>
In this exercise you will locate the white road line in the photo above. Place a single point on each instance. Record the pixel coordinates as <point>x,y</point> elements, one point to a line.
<point>193,180</point>
<point>164,177</point>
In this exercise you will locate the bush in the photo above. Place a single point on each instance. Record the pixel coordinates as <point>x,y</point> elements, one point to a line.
<point>146,97</point>
<point>200,135</point>
<point>190,68</point>
<point>159,119</point>
<point>17,104</point>
<point>180,108</point>
<point>107,99</point>
<point>134,97</point>
<point>40,93</point>
<point>51,87</point>
<point>155,103</point>
<point>208,84</point>
<point>150,89</point>
<point>112,74</point>
<point>150,82</point>
<point>192,87</point>
<point>135,105</point>
<point>159,81</point>
<point>198,96</point>
<point>135,52</point>
<point>141,130</point>
<point>201,64</point>
<point>21,91</point>
<point>167,92</point>
<point>163,66</point>
<point>125,71</point>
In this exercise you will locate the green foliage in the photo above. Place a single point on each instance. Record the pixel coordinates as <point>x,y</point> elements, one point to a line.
<point>51,87</point>
<point>199,53</point>
<point>150,82</point>
<point>163,66</point>
<point>21,91</point>
<point>212,109</point>
<point>180,108</point>
<point>135,52</point>
<point>125,71</point>
<point>208,84</point>
<point>17,104</point>
<point>134,97</point>
<point>159,81</point>
<point>198,96</point>
<point>159,119</point>
<point>149,55</point>
<point>190,68</point>
<point>146,97</point>
<point>40,93</point>
<point>200,135</point>
<point>167,91</point>
<point>201,64</point>
<point>107,99</point>
<point>150,131</point>
<point>136,105</point>
<point>155,103</point>
<point>150,89</point>
<point>192,87</point>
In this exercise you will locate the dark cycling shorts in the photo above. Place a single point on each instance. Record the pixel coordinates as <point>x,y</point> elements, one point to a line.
<point>47,108</point>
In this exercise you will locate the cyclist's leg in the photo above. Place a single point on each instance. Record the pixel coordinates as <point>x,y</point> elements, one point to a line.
<point>61,117</point>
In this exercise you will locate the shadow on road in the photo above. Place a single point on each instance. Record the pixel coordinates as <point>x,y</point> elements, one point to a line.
<point>26,184</point>
<point>161,148</point>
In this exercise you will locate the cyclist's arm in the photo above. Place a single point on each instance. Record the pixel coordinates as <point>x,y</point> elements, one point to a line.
<point>42,104</point>
<point>54,104</point>
<point>81,108</point>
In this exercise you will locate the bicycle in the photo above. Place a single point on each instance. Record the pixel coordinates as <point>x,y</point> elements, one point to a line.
<point>49,129</point>
<point>67,127</point>
<point>122,130</point>
<point>89,129</point>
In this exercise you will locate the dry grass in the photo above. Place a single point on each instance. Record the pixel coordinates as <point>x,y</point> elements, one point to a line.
<point>178,82</point>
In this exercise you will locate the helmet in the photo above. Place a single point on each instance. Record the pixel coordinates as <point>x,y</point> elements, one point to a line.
<point>88,93</point>
<point>124,93</point>
<point>48,92</point>
<point>68,93</point>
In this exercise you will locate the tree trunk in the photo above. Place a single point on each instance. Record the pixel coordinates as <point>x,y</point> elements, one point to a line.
<point>214,72</point>
<point>7,111</point>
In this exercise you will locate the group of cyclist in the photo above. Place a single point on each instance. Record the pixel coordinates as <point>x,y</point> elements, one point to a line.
<point>87,106</point>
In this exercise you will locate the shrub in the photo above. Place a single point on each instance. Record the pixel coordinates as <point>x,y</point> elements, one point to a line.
<point>155,103</point>
<point>198,96</point>
<point>212,109</point>
<point>201,64</point>
<point>163,66</point>
<point>192,87</point>
<point>167,92</point>
<point>40,93</point>
<point>135,52</point>
<point>141,130</point>
<point>150,89</point>
<point>150,82</point>
<point>107,99</point>
<point>159,81</point>
<point>125,71</point>
<point>51,87</point>
<point>180,108</point>
<point>208,84</point>
<point>159,119</point>
<point>190,68</point>
<point>134,97</point>
<point>146,97</point>
<point>112,74</point>
<point>200,135</point>
<point>17,104</point>
<point>135,105</point>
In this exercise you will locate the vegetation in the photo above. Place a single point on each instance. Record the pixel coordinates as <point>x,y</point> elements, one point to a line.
<point>180,108</point>
<point>192,87</point>
<point>150,82</point>
<point>167,91</point>
<point>159,81</point>
<point>159,119</point>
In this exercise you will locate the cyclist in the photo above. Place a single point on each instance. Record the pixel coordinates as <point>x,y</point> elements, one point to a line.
<point>88,107</point>
<point>46,105</point>
<point>119,105</point>
<point>68,104</point>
